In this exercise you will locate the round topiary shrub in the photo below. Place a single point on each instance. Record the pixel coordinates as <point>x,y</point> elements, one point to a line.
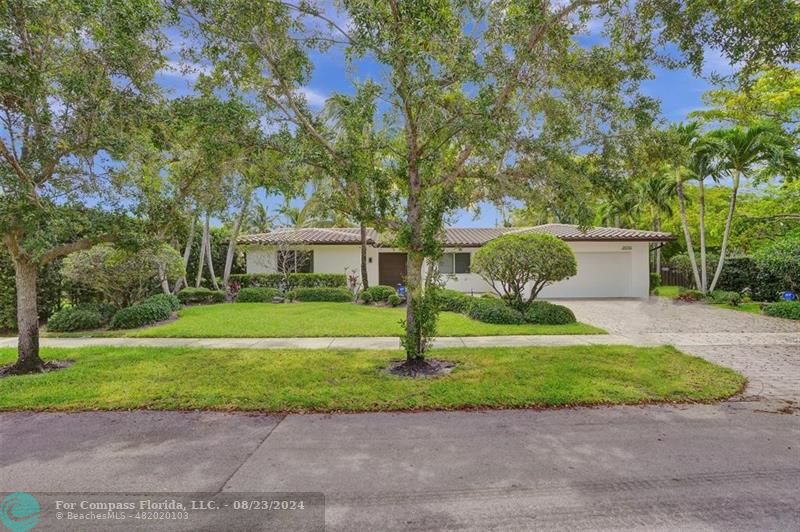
<point>379,292</point>
<point>256,295</point>
<point>493,311</point>
<point>74,319</point>
<point>141,315</point>
<point>546,313</point>
<point>453,300</point>
<point>394,300</point>
<point>168,299</point>
<point>784,309</point>
<point>365,296</point>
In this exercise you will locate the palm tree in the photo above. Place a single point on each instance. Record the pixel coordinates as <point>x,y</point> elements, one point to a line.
<point>258,219</point>
<point>743,153</point>
<point>655,193</point>
<point>619,209</point>
<point>685,138</point>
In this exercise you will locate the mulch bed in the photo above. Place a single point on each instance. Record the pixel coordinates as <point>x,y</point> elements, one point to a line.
<point>430,367</point>
<point>51,365</point>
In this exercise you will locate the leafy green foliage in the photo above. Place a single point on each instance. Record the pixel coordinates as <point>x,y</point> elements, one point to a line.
<point>257,295</point>
<point>512,263</point>
<point>394,300</point>
<point>655,280</point>
<point>165,299</point>
<point>781,259</point>
<point>200,296</point>
<point>378,293</point>
<point>339,295</point>
<point>141,314</point>
<point>722,297</point>
<point>121,276</point>
<point>453,300</point>
<point>784,309</point>
<point>293,280</point>
<point>493,311</point>
<point>546,313</point>
<point>75,319</point>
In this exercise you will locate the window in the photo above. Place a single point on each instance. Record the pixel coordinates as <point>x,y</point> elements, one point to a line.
<point>453,263</point>
<point>292,261</point>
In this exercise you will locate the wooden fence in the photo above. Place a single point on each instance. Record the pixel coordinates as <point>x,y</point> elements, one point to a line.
<point>671,277</point>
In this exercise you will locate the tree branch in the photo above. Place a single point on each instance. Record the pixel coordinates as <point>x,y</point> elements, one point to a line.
<point>71,247</point>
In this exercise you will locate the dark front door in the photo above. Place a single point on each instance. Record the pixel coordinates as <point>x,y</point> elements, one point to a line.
<point>391,269</point>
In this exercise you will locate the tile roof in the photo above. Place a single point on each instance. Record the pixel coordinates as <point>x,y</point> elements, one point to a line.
<point>454,237</point>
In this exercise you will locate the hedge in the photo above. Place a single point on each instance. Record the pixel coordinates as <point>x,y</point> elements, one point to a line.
<point>200,296</point>
<point>141,314</point>
<point>741,274</point>
<point>257,295</point>
<point>75,319</point>
<point>168,299</point>
<point>377,293</point>
<point>453,300</point>
<point>493,311</point>
<point>546,313</point>
<point>290,281</point>
<point>394,300</point>
<point>338,295</point>
<point>784,309</point>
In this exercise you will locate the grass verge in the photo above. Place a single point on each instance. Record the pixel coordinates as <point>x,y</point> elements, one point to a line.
<point>343,380</point>
<point>267,320</point>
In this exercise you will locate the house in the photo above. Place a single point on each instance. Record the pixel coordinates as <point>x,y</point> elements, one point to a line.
<point>612,262</point>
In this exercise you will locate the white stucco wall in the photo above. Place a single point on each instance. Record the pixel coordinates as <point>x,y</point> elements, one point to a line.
<point>605,269</point>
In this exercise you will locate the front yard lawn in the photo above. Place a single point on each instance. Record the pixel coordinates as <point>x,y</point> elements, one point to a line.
<point>355,380</point>
<point>268,320</point>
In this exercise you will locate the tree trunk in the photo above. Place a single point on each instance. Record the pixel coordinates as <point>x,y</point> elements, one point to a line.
<point>162,275</point>
<point>727,233</point>
<point>364,279</point>
<point>703,264</point>
<point>187,252</point>
<point>237,226</point>
<point>657,226</point>
<point>201,257</point>
<point>209,258</point>
<point>686,235</point>
<point>414,344</point>
<point>28,360</point>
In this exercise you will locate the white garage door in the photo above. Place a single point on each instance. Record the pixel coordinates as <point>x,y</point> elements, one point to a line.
<point>603,274</point>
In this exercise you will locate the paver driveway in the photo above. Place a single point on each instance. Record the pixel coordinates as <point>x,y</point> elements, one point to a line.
<point>765,349</point>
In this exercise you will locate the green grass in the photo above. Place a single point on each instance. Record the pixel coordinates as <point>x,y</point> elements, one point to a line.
<point>354,380</point>
<point>667,291</point>
<point>752,308</point>
<point>267,320</point>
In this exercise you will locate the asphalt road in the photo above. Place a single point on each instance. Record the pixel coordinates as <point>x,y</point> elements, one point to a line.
<point>734,466</point>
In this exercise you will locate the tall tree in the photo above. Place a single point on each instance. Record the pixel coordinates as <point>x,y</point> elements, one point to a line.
<point>656,193</point>
<point>75,77</point>
<point>478,93</point>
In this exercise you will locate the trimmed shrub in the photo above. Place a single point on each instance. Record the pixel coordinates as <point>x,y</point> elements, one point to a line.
<point>169,299</point>
<point>106,310</point>
<point>453,300</point>
<point>655,280</point>
<point>722,297</point>
<point>337,295</point>
<point>784,309</point>
<point>75,319</point>
<point>292,280</point>
<point>546,313</point>
<point>189,296</point>
<point>394,300</point>
<point>141,315</point>
<point>365,297</point>
<point>380,292</point>
<point>257,295</point>
<point>493,311</point>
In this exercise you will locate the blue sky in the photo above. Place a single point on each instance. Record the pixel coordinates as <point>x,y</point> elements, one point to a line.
<point>679,91</point>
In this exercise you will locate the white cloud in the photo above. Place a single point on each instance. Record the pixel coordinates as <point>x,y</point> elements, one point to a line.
<point>313,97</point>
